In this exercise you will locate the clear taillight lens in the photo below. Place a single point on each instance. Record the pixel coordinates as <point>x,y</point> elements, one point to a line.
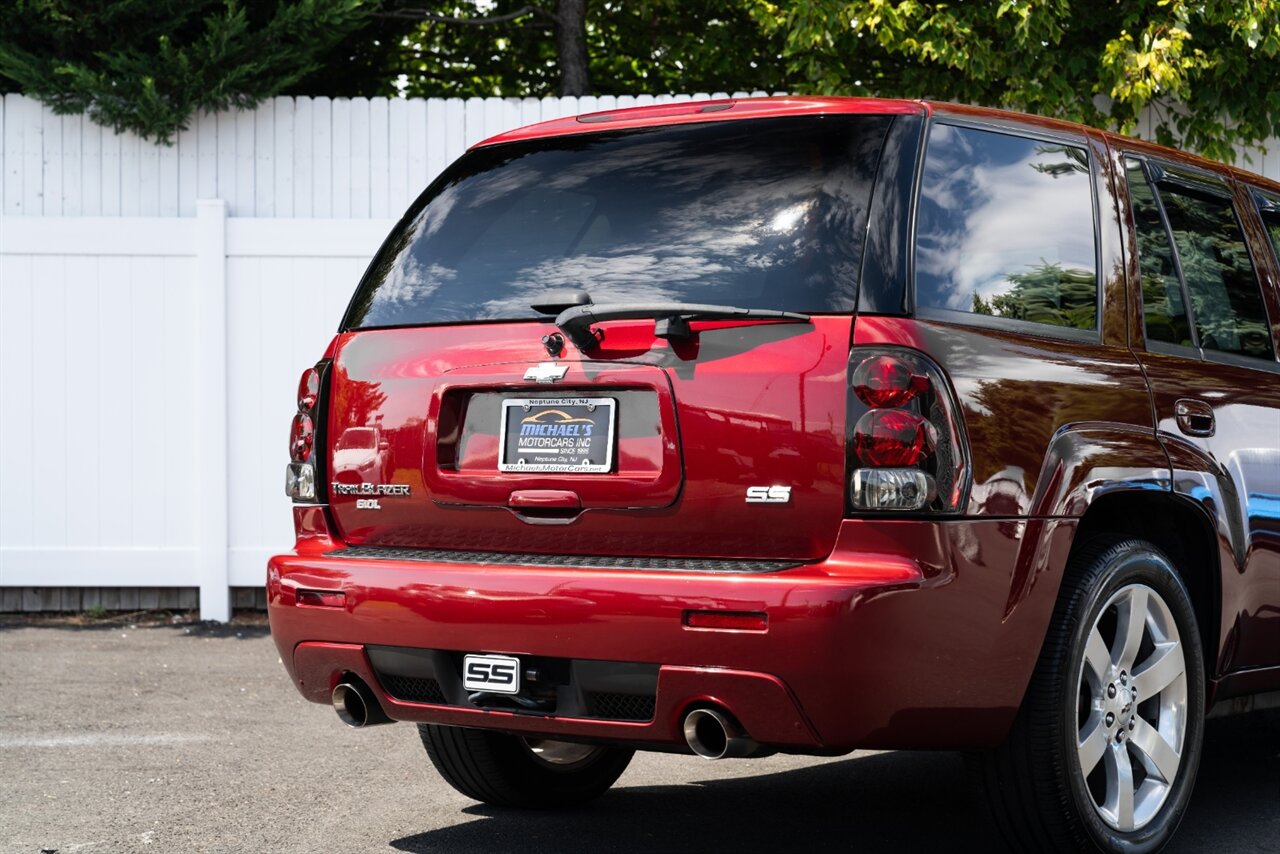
<point>300,481</point>
<point>891,489</point>
<point>906,446</point>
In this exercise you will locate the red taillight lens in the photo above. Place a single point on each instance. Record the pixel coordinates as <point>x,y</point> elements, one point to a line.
<point>887,381</point>
<point>302,437</point>
<point>891,437</point>
<point>308,389</point>
<point>906,446</point>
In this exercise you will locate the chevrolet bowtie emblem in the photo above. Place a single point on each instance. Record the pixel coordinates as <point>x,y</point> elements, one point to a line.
<point>546,372</point>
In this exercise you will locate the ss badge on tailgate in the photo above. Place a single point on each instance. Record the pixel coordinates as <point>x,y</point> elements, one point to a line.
<point>768,494</point>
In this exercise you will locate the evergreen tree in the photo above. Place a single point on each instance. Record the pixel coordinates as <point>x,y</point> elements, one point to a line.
<point>147,65</point>
<point>1046,293</point>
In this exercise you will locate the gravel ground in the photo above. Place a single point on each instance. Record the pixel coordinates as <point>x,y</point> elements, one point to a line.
<point>121,738</point>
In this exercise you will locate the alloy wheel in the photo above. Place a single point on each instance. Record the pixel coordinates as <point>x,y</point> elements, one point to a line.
<point>1131,708</point>
<point>559,754</point>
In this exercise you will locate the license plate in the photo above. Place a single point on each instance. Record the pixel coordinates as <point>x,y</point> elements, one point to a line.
<point>496,674</point>
<point>567,435</point>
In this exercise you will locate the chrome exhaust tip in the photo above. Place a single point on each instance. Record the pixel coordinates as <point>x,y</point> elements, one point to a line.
<point>356,706</point>
<point>713,734</point>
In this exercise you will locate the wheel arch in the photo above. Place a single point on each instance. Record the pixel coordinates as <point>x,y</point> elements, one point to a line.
<point>1183,531</point>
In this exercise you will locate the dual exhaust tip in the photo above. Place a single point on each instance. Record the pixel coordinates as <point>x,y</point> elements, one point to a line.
<point>710,733</point>
<point>357,706</point>
<point>714,734</point>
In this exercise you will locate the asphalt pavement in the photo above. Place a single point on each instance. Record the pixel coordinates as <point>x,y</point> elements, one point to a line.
<point>190,738</point>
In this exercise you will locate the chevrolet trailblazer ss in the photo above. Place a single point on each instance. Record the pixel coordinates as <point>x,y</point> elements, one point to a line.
<point>803,425</point>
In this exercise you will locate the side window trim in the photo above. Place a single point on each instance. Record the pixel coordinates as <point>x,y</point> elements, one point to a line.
<point>1267,207</point>
<point>1209,185</point>
<point>1042,330</point>
<point>1151,171</point>
<point>1190,180</point>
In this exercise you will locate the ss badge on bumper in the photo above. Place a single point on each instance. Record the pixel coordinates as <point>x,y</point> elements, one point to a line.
<point>497,674</point>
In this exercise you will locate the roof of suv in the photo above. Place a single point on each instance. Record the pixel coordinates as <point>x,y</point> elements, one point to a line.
<point>729,109</point>
<point>687,112</point>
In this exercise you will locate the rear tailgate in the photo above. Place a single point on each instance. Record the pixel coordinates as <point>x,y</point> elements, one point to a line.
<point>458,419</point>
<point>756,405</point>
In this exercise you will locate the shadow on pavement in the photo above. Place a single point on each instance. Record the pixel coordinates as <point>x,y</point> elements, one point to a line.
<point>892,802</point>
<point>869,802</point>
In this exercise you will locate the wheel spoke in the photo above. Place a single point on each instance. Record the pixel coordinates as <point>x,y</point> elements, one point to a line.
<point>1163,759</point>
<point>1096,656</point>
<point>1091,744</point>
<point>1159,670</point>
<point>1130,623</point>
<point>1119,786</point>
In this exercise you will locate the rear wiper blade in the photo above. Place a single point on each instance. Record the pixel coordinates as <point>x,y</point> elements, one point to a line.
<point>671,319</point>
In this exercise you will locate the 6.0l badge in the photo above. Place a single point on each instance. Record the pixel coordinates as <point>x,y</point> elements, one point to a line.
<point>370,491</point>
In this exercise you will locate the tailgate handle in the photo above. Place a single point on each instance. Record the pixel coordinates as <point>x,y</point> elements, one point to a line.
<point>544,499</point>
<point>545,506</point>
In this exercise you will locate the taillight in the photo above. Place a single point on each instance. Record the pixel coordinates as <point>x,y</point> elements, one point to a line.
<point>302,438</point>
<point>300,477</point>
<point>906,446</point>
<point>886,380</point>
<point>892,437</point>
<point>308,390</point>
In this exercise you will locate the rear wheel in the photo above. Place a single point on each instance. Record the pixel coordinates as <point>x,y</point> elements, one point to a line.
<point>1104,752</point>
<point>518,771</point>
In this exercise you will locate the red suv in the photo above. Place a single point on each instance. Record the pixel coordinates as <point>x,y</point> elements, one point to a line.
<point>804,425</point>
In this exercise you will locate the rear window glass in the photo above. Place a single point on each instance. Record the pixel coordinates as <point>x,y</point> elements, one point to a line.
<point>757,214</point>
<point>1005,228</point>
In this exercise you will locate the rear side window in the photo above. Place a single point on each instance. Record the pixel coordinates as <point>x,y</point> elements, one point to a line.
<point>767,213</point>
<point>1005,228</point>
<point>1226,301</point>
<point>1163,314</point>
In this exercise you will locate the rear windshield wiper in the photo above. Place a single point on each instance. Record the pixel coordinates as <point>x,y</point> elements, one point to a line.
<point>671,319</point>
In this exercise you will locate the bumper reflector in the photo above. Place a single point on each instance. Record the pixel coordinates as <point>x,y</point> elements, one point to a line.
<point>735,621</point>
<point>322,598</point>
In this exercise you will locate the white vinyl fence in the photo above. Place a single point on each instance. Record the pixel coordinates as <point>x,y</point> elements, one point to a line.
<point>157,305</point>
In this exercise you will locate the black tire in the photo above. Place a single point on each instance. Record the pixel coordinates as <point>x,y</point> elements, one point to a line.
<point>502,770</point>
<point>1039,798</point>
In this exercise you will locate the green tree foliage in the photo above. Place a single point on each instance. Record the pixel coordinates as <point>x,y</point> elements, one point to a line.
<point>1046,293</point>
<point>148,65</point>
<point>633,47</point>
<point>1209,67</point>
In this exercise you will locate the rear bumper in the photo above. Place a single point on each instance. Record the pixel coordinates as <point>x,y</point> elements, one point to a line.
<point>910,634</point>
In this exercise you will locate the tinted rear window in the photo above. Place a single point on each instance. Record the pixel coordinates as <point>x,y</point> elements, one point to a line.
<point>1226,302</point>
<point>759,214</point>
<point>1005,228</point>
